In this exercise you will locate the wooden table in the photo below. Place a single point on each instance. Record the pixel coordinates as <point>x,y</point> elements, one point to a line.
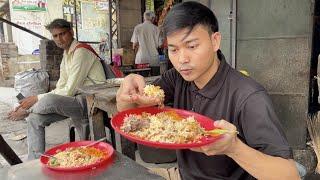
<point>141,71</point>
<point>119,168</point>
<point>102,98</point>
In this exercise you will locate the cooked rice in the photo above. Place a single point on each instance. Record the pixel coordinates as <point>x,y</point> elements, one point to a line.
<point>153,91</point>
<point>76,157</point>
<point>166,127</point>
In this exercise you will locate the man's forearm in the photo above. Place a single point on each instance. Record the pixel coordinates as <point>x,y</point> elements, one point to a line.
<point>263,166</point>
<point>135,47</point>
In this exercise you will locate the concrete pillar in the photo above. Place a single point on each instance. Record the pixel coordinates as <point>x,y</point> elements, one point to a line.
<point>129,17</point>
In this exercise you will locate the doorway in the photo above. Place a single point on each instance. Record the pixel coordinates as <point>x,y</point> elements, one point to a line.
<point>315,65</point>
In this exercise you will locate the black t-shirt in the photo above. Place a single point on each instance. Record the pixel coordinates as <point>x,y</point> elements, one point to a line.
<point>236,98</point>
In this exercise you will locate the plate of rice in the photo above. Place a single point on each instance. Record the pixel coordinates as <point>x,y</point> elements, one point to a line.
<point>166,128</point>
<point>76,156</point>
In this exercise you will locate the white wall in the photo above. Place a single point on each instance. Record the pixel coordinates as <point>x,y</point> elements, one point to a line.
<point>34,21</point>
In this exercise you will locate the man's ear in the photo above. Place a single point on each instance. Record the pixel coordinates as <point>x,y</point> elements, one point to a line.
<point>216,40</point>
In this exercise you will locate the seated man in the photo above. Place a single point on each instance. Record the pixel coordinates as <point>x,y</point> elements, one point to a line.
<point>79,66</point>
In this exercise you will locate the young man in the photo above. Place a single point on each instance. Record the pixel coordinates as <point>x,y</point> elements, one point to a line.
<point>79,67</point>
<point>145,41</point>
<point>203,82</point>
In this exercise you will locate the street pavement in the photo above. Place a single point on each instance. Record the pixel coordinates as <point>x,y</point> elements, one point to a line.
<point>15,133</point>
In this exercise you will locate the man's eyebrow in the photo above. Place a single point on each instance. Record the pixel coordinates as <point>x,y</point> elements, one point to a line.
<point>185,42</point>
<point>171,45</point>
<point>191,40</point>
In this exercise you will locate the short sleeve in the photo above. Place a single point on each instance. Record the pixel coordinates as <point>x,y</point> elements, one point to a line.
<point>134,38</point>
<point>261,127</point>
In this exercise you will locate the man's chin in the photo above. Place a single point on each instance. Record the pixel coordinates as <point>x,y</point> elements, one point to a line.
<point>188,78</point>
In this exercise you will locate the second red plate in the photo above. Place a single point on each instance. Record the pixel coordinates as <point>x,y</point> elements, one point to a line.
<point>101,146</point>
<point>204,122</point>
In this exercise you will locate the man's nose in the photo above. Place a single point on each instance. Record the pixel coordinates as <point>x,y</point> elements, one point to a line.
<point>60,38</point>
<point>183,56</point>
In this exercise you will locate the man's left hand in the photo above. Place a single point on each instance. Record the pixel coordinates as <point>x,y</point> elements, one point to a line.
<point>225,145</point>
<point>26,103</point>
<point>17,114</point>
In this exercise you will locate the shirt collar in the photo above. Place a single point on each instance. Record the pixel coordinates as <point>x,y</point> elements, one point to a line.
<point>212,88</point>
<point>147,22</point>
<point>72,47</point>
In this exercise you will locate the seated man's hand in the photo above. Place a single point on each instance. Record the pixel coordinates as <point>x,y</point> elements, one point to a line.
<point>224,145</point>
<point>26,103</point>
<point>130,93</point>
<point>17,114</point>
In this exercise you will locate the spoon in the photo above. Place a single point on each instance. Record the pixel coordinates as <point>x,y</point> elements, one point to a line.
<point>49,156</point>
<point>95,142</point>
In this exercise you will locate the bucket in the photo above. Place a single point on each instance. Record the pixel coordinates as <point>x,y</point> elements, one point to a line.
<point>156,155</point>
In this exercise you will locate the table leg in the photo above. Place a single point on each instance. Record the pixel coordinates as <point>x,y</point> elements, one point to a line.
<point>128,148</point>
<point>6,151</point>
<point>95,115</point>
<point>97,129</point>
<point>107,123</point>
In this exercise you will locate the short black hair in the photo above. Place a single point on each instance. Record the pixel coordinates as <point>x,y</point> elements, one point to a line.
<point>59,23</point>
<point>188,15</point>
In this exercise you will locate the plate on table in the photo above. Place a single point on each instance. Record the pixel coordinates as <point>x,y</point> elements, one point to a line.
<point>101,146</point>
<point>205,122</point>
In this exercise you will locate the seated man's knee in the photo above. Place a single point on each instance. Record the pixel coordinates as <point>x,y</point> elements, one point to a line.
<point>50,99</point>
<point>35,120</point>
<point>47,104</point>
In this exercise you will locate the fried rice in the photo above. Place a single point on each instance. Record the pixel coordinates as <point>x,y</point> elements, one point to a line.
<point>164,127</point>
<point>76,157</point>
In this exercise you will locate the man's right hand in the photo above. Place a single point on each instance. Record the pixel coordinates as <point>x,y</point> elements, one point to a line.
<point>130,93</point>
<point>26,103</point>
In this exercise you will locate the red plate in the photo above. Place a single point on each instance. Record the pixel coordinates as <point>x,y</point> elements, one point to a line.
<point>204,122</point>
<point>108,149</point>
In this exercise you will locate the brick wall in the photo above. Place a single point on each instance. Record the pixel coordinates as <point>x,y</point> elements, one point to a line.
<point>8,56</point>
<point>50,59</point>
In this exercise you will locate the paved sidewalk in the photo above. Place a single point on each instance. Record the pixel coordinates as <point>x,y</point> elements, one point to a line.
<point>14,132</point>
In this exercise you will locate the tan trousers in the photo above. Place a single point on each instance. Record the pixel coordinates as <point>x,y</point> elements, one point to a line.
<point>167,173</point>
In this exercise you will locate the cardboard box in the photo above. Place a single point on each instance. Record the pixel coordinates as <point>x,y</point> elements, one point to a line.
<point>118,51</point>
<point>128,57</point>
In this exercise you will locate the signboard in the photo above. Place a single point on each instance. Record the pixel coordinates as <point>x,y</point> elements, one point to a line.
<point>26,42</point>
<point>101,5</point>
<point>94,23</point>
<point>150,5</point>
<point>29,5</point>
<point>68,10</point>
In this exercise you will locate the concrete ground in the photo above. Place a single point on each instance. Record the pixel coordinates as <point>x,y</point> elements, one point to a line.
<point>14,132</point>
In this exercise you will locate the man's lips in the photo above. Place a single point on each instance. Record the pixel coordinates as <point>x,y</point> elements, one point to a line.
<point>185,71</point>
